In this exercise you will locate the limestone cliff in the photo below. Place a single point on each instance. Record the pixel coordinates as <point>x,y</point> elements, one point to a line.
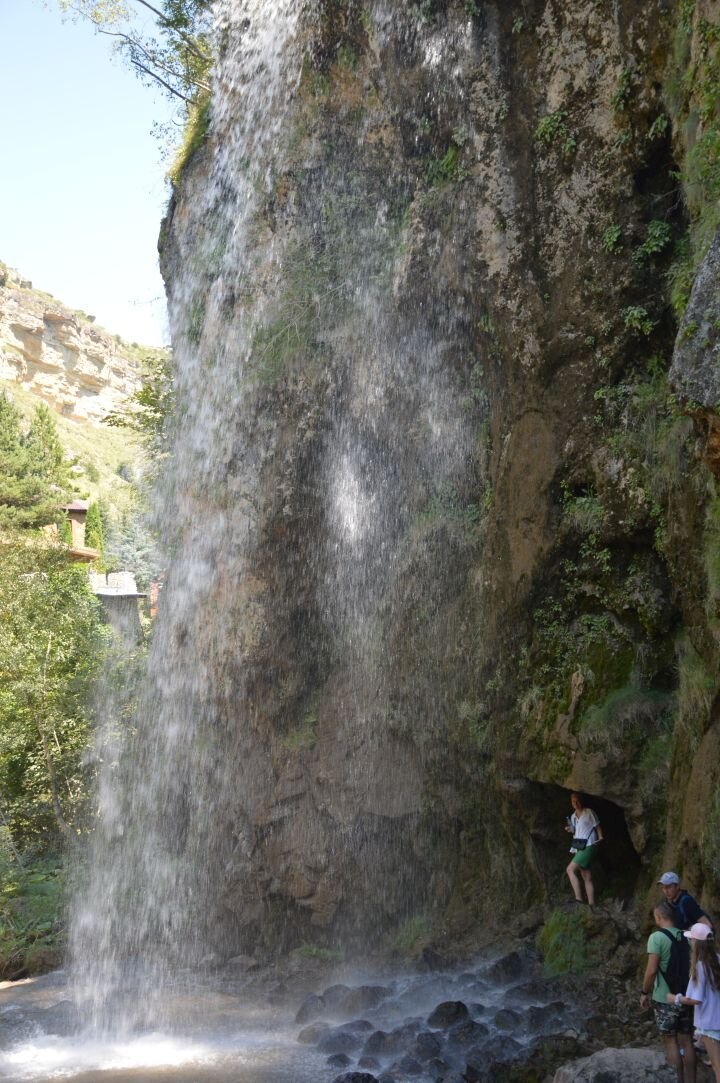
<point>482,537</point>
<point>81,370</point>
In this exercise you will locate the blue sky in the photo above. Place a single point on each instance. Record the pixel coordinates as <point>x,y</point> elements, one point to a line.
<point>82,181</point>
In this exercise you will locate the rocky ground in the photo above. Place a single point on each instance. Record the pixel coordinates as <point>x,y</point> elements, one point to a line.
<point>446,1016</point>
<point>500,1018</point>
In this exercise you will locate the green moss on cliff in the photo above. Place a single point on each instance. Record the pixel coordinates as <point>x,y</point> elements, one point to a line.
<point>566,942</point>
<point>194,133</point>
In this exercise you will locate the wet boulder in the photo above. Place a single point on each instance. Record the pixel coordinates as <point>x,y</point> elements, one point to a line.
<point>546,1015</point>
<point>433,960</point>
<point>371,1063</point>
<point>447,1014</point>
<point>409,1066</point>
<point>438,1067</point>
<point>426,1046</point>
<point>531,991</point>
<point>312,1007</point>
<point>311,1035</point>
<point>355,1077</point>
<point>363,998</point>
<point>497,1051</point>
<point>339,1060</point>
<point>339,1040</point>
<point>334,996</point>
<point>507,968</point>
<point>506,1019</point>
<point>387,1044</point>
<point>62,1018</point>
<point>467,1033</point>
<point>360,1026</point>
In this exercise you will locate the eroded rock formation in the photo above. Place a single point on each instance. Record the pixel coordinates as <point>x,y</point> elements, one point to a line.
<point>81,370</point>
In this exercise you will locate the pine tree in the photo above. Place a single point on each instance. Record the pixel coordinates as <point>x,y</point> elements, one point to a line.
<point>94,538</point>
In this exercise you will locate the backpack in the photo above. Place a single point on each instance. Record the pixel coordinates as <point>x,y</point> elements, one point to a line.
<point>679,905</point>
<point>677,974</point>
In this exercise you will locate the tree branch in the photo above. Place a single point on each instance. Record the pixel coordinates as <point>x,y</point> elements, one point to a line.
<point>134,44</point>
<point>189,41</point>
<point>154,75</point>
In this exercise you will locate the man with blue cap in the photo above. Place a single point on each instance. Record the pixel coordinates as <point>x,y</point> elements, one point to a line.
<point>686,911</point>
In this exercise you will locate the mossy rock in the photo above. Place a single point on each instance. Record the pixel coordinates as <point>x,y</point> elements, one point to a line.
<point>574,939</point>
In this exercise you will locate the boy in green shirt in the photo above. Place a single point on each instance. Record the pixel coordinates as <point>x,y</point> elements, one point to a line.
<point>674,1024</point>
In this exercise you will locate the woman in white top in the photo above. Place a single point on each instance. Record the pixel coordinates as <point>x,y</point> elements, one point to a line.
<point>586,831</point>
<point>703,990</point>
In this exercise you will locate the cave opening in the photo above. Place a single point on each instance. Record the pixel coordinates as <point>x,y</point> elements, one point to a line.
<point>616,868</point>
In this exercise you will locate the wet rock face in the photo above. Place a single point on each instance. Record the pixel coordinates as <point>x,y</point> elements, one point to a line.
<point>433,302</point>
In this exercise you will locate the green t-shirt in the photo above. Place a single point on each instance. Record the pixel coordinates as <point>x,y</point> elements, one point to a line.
<point>658,944</point>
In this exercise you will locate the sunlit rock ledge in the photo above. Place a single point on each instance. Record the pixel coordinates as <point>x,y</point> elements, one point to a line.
<point>79,369</point>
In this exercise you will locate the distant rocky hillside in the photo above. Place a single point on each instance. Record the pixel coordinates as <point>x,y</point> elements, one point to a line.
<point>81,370</point>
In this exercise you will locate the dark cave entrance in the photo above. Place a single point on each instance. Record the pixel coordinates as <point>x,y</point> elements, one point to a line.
<point>617,866</point>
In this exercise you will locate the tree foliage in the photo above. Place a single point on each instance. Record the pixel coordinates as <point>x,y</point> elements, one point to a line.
<point>147,410</point>
<point>175,53</point>
<point>35,475</point>
<point>94,535</point>
<point>50,633</point>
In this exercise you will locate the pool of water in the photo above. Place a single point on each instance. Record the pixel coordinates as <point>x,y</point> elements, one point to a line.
<point>222,1038</point>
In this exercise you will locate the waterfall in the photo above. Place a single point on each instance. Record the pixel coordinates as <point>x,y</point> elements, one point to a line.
<point>322,427</point>
<point>144,904</point>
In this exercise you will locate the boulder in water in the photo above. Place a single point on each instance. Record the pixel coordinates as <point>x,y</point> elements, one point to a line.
<point>369,1062</point>
<point>426,1046</point>
<point>384,1044</point>
<point>438,1067</point>
<point>409,1066</point>
<point>339,1060</point>
<point>533,989</point>
<point>334,996</point>
<point>355,1077</point>
<point>311,1035</point>
<point>506,1019</point>
<point>467,1033</point>
<point>507,968</point>
<point>311,1007</point>
<point>547,1015</point>
<point>360,1026</point>
<point>62,1018</point>
<point>339,1040</point>
<point>448,1013</point>
<point>363,997</point>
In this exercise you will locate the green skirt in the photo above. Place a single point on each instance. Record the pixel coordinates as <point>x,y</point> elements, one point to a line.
<point>583,858</point>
